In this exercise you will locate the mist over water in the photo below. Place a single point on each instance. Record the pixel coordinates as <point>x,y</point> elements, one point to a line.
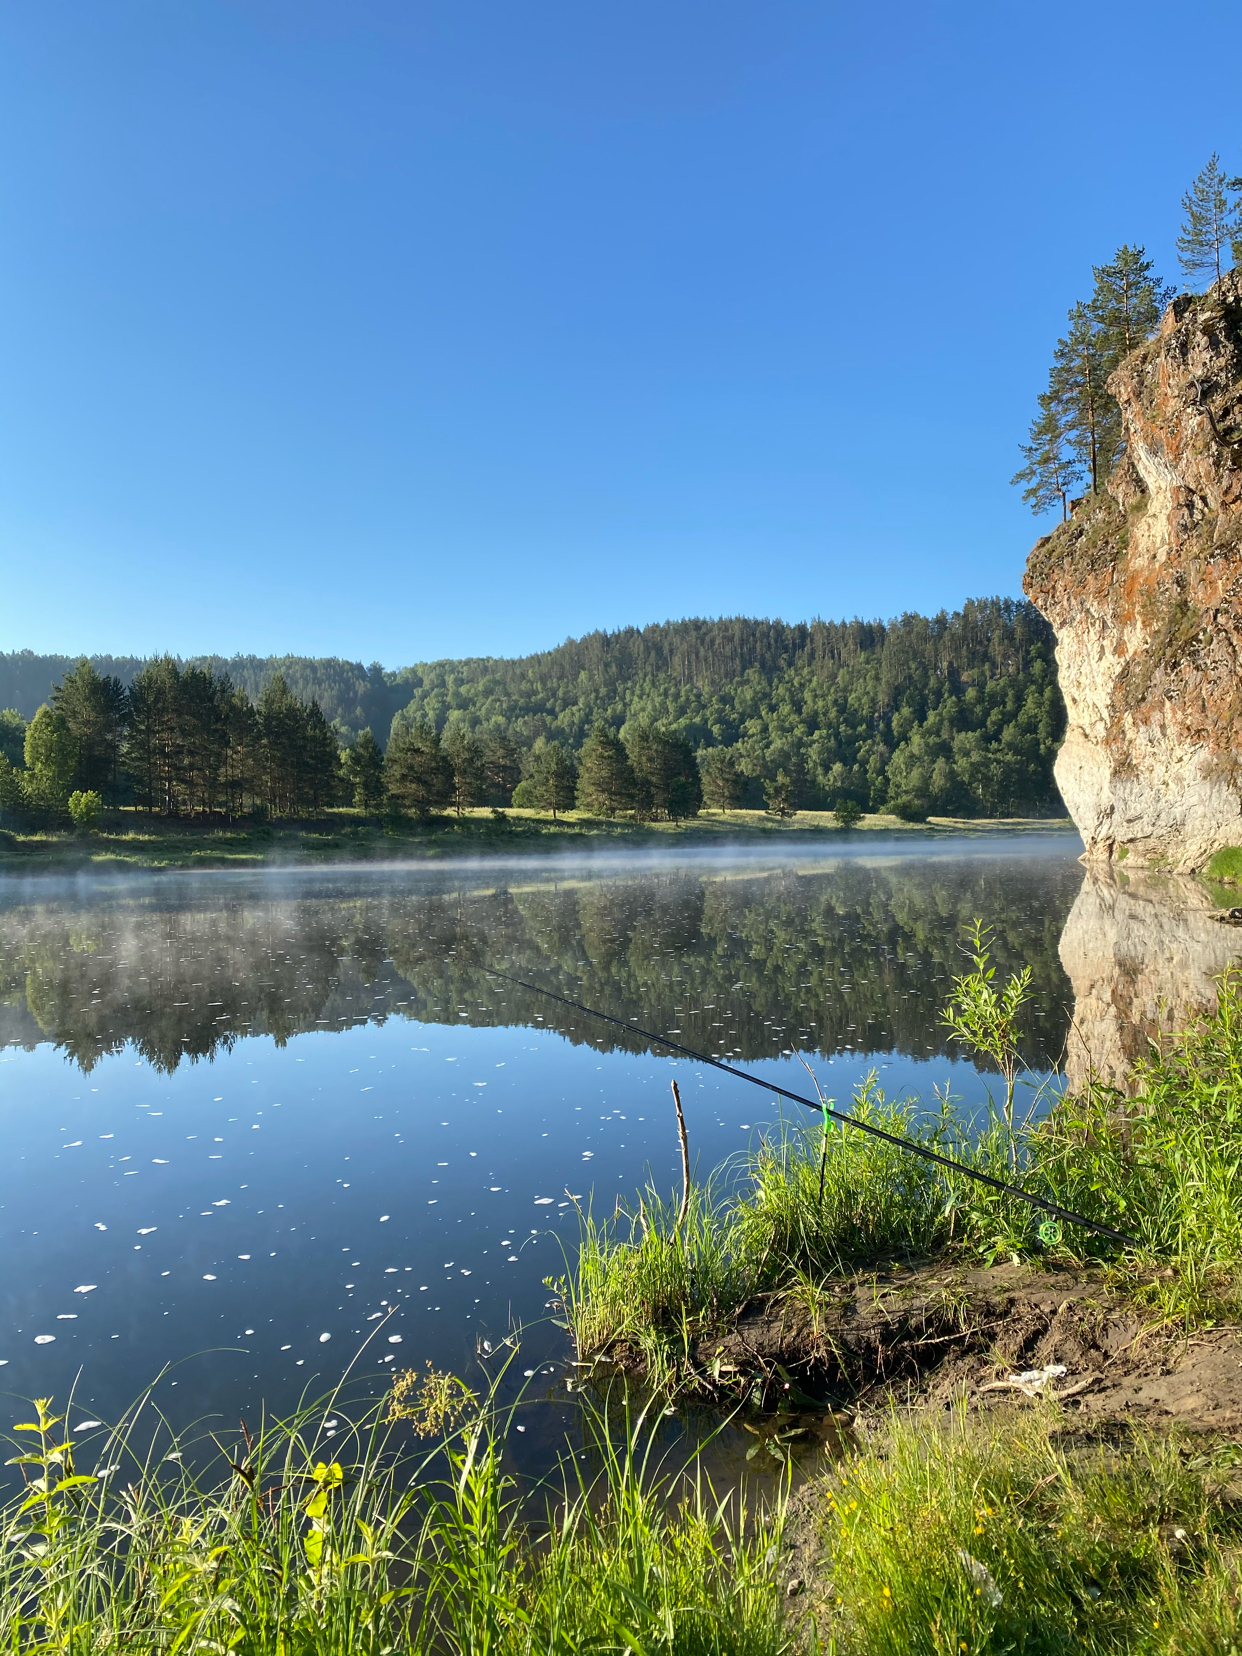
<point>249,1120</point>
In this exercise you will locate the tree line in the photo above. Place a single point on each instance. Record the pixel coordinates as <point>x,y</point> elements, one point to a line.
<point>952,713</point>
<point>351,696</point>
<point>177,741</point>
<point>1075,438</point>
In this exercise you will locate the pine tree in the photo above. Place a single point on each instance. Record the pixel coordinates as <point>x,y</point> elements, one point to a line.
<point>606,782</point>
<point>417,772</point>
<point>1051,471</point>
<point>202,739</point>
<point>666,774</point>
<point>464,752</point>
<point>1127,304</point>
<point>724,786</point>
<point>1213,221</point>
<point>239,773</point>
<point>502,764</point>
<point>281,729</point>
<point>554,777</point>
<point>1091,418</point>
<point>319,761</point>
<point>362,766</point>
<point>779,796</point>
<point>647,752</point>
<point>685,794</point>
<point>94,708</point>
<point>150,752</point>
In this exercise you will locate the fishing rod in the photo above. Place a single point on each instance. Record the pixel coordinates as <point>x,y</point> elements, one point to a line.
<point>1041,1202</point>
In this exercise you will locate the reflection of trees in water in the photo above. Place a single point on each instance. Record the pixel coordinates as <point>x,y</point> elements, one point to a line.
<point>856,957</point>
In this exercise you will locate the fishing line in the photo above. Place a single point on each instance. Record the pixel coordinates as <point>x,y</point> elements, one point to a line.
<point>1057,1212</point>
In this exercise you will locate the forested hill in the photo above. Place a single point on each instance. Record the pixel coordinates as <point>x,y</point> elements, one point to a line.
<point>352,696</point>
<point>961,712</point>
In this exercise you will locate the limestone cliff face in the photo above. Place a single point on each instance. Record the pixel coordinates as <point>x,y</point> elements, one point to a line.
<point>1144,588</point>
<point>1143,953</point>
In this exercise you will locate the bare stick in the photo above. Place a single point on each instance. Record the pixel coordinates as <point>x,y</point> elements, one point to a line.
<point>685,1161</point>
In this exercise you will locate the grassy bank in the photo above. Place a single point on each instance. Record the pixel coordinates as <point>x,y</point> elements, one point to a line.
<point>1020,1534</point>
<point>810,1206</point>
<point>130,839</point>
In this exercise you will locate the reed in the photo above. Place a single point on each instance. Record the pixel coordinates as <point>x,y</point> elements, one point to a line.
<point>288,1541</point>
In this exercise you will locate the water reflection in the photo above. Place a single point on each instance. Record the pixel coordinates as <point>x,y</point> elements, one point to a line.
<point>852,958</point>
<point>296,1114</point>
<point>1142,952</point>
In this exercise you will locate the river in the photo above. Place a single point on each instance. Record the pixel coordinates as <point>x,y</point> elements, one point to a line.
<point>261,1129</point>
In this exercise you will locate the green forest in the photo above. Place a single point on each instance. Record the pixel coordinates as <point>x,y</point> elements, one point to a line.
<point>949,714</point>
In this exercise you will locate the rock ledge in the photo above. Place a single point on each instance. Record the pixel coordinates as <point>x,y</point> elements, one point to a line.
<point>1144,588</point>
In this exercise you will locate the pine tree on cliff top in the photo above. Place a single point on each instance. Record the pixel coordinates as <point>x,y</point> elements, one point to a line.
<point>1213,219</point>
<point>1051,471</point>
<point>1092,419</point>
<point>1127,303</point>
<point>1078,427</point>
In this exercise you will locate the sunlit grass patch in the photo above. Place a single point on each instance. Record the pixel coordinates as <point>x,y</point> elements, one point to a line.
<point>807,1203</point>
<point>1162,1164</point>
<point>1226,864</point>
<point>1006,1535</point>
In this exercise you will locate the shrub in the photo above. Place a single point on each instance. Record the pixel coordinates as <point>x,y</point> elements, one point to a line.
<point>526,796</point>
<point>848,812</point>
<point>85,807</point>
<point>909,810</point>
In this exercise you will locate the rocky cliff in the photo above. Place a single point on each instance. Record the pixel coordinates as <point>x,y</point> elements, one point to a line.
<point>1144,588</point>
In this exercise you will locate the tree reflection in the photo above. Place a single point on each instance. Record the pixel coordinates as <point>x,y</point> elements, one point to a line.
<point>750,964</point>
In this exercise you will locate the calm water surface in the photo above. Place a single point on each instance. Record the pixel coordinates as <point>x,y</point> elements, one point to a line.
<point>252,1122</point>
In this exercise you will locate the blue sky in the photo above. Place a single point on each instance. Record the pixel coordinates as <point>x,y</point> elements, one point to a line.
<point>401,330</point>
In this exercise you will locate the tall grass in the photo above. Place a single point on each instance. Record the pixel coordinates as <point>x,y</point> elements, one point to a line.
<point>1165,1160</point>
<point>289,1543</point>
<point>1162,1163</point>
<point>810,1201</point>
<point>1008,1536</point>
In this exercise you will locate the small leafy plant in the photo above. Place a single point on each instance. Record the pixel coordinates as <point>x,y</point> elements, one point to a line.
<point>433,1403</point>
<point>985,1018</point>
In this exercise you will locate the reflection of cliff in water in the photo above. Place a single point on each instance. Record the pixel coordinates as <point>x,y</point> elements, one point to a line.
<point>1142,953</point>
<point>855,957</point>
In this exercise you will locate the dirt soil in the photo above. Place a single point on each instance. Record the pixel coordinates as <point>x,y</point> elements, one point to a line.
<point>934,1335</point>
